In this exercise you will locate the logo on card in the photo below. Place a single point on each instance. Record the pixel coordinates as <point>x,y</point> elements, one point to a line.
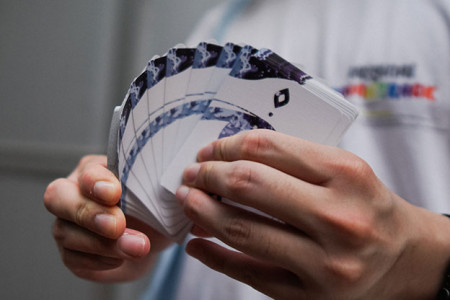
<point>281,98</point>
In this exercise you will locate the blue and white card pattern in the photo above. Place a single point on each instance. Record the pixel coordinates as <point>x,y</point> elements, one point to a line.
<point>178,69</point>
<point>191,96</point>
<point>205,59</point>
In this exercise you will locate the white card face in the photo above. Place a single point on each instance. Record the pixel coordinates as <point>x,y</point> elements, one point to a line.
<point>193,96</point>
<point>291,118</point>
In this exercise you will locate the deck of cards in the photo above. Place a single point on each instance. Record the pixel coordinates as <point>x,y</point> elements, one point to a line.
<point>189,97</point>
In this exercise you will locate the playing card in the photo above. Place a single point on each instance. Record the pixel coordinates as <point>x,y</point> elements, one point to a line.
<point>205,59</point>
<point>140,145</point>
<point>193,96</point>
<point>178,69</point>
<point>136,130</point>
<point>221,119</point>
<point>270,91</point>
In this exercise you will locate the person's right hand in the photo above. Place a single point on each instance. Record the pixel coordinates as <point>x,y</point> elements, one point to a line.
<point>93,235</point>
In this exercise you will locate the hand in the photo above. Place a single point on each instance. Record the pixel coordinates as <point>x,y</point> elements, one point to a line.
<point>337,231</point>
<point>91,230</point>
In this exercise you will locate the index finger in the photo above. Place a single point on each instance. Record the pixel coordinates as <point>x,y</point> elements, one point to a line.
<point>62,198</point>
<point>297,157</point>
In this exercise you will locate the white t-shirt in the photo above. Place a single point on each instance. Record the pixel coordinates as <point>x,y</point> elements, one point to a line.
<point>389,57</point>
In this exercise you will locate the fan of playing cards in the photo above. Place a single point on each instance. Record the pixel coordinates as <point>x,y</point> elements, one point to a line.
<point>192,96</point>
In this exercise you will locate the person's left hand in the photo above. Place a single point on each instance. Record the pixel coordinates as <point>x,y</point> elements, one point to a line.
<point>337,231</point>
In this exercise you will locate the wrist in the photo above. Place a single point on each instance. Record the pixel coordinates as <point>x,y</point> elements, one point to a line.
<point>426,254</point>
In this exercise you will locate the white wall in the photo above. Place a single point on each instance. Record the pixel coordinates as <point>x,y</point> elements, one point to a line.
<point>64,64</point>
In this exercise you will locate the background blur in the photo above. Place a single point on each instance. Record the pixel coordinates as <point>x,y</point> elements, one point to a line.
<point>64,65</point>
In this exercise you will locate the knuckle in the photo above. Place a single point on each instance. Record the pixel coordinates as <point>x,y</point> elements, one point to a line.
<point>346,272</point>
<point>221,149</point>
<point>254,144</point>
<point>82,213</point>
<point>353,174</point>
<point>238,231</point>
<point>360,234</point>
<point>354,229</point>
<point>361,168</point>
<point>241,179</point>
<point>206,175</point>
<point>352,166</point>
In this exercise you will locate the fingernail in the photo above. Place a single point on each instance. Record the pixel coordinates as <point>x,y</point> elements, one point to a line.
<point>105,223</point>
<point>104,190</point>
<point>132,245</point>
<point>181,193</point>
<point>190,173</point>
<point>206,153</point>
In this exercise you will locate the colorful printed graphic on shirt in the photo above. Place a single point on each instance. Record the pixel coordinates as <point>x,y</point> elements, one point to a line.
<point>391,94</point>
<point>387,82</point>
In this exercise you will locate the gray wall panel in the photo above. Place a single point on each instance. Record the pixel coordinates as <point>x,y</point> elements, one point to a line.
<point>63,65</point>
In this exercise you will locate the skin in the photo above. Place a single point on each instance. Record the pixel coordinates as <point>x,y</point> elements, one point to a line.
<point>335,231</point>
<point>95,239</point>
<point>338,232</point>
